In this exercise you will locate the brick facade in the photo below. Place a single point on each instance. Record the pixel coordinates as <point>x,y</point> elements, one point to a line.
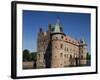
<point>56,49</point>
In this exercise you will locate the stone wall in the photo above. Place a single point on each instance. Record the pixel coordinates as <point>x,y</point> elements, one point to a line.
<point>43,49</point>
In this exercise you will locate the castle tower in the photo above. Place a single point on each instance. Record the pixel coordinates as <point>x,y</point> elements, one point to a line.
<point>40,50</point>
<point>43,49</point>
<point>83,52</point>
<point>57,35</point>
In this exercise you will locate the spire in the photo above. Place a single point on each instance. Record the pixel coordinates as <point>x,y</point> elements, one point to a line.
<point>83,40</point>
<point>58,20</point>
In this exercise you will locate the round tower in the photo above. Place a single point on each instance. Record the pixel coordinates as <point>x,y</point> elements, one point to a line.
<point>83,52</point>
<point>57,35</point>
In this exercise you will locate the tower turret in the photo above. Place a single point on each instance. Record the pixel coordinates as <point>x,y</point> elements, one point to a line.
<point>57,36</point>
<point>83,52</point>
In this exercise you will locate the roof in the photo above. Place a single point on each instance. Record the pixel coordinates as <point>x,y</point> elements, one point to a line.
<point>57,28</point>
<point>83,40</point>
<point>71,40</point>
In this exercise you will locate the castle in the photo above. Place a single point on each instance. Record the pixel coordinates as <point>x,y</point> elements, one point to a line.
<point>56,49</point>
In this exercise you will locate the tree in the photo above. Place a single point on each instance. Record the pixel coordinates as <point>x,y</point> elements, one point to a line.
<point>33,55</point>
<point>88,56</point>
<point>26,55</point>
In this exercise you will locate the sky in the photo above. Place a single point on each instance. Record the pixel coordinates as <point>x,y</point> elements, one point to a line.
<point>76,25</point>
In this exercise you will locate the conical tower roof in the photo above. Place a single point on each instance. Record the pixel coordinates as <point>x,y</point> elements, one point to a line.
<point>83,41</point>
<point>57,28</point>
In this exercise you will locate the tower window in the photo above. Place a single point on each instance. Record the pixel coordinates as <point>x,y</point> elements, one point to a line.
<point>56,37</point>
<point>62,37</point>
<point>61,46</point>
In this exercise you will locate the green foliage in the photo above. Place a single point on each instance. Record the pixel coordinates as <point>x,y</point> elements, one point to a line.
<point>88,56</point>
<point>33,56</point>
<point>27,56</point>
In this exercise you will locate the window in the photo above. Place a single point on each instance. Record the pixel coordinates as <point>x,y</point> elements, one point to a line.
<point>39,55</point>
<point>82,51</point>
<point>81,56</point>
<point>65,55</point>
<point>56,37</point>
<point>70,56</point>
<point>56,47</point>
<point>62,37</point>
<point>61,54</point>
<point>67,49</point>
<point>61,46</point>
